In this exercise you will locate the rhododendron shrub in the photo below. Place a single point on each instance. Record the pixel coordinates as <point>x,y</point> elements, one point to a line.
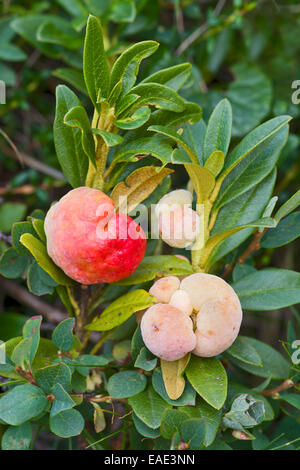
<point>152,329</point>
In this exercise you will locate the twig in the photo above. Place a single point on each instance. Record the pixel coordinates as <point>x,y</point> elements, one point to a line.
<point>199,31</point>
<point>33,163</point>
<point>5,238</point>
<point>254,246</point>
<point>20,294</point>
<point>274,392</point>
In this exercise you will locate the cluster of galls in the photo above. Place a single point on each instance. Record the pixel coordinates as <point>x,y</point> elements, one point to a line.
<point>200,314</point>
<point>92,243</point>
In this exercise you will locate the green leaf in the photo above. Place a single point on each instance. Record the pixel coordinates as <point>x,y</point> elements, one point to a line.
<point>159,96</point>
<point>253,168</point>
<point>255,143</point>
<point>249,81</point>
<point>137,343</point>
<point>38,281</point>
<point>149,407</point>
<point>95,66</point>
<point>288,206</point>
<point>109,138</point>
<point>215,162</point>
<point>10,212</point>
<point>31,330</point>
<point>145,360</point>
<point>193,431</point>
<point>194,134</point>
<point>273,363</point>
<point>126,67</point>
<point>143,429</point>
<point>138,186</point>
<point>18,229</point>
<point>292,399</point>
<point>11,325</point>
<point>17,437</point>
<point>245,412</point>
<point>172,134</point>
<point>158,266</point>
<point>202,180</point>
<point>67,140</point>
<point>219,237</point>
<point>22,403</point>
<point>243,351</point>
<point>12,264</point>
<point>124,103</point>
<point>21,353</point>
<point>67,423</point>
<point>243,210</point>
<point>38,226</point>
<point>155,146</point>
<point>212,420</point>
<point>73,77</point>
<point>77,117</point>
<point>62,400</point>
<point>136,120</point>
<point>49,376</point>
<point>209,379</point>
<point>8,75</point>
<point>286,231</point>
<point>171,422</point>
<point>172,373</point>
<point>85,362</point>
<point>39,252</point>
<point>192,113</point>
<point>126,384</point>
<point>173,77</point>
<point>268,289</point>
<point>62,336</point>
<point>187,398</point>
<point>218,131</point>
<point>121,309</point>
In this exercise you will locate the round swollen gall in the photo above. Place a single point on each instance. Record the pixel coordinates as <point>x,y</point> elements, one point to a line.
<point>167,332</point>
<point>164,288</point>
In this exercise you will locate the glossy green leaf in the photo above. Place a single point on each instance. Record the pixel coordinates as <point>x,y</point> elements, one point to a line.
<point>173,77</point>
<point>127,65</point>
<point>288,206</point>
<point>38,281</point>
<point>67,140</point>
<point>143,429</point>
<point>286,231</point>
<point>77,117</point>
<point>193,431</point>
<point>243,351</point>
<point>145,360</point>
<point>22,403</point>
<point>38,250</point>
<point>49,376</point>
<point>121,309</point>
<point>212,421</point>
<point>95,66</point>
<point>18,229</point>
<point>149,407</point>
<point>62,400</point>
<point>187,398</point>
<point>171,422</point>
<point>218,131</point>
<point>109,138</point>
<point>136,120</point>
<point>62,336</point>
<point>159,96</point>
<point>126,384</point>
<point>31,330</point>
<point>209,379</point>
<point>273,363</point>
<point>12,264</point>
<point>243,210</point>
<point>17,437</point>
<point>158,266</point>
<point>269,289</point>
<point>67,423</point>
<point>253,168</point>
<point>11,212</point>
